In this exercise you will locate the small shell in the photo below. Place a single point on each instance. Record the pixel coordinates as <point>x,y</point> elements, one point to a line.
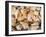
<point>20,18</point>
<point>29,17</point>
<point>13,10</point>
<point>16,13</point>
<point>35,24</point>
<point>38,8</point>
<point>13,22</point>
<point>36,13</point>
<point>32,8</point>
<point>34,27</point>
<point>36,18</point>
<point>18,27</point>
<point>24,25</point>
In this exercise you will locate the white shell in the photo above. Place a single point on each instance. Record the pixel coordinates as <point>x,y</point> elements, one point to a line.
<point>34,27</point>
<point>24,25</point>
<point>18,27</point>
<point>35,24</point>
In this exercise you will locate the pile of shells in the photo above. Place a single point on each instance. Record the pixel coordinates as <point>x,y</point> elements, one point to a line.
<point>26,18</point>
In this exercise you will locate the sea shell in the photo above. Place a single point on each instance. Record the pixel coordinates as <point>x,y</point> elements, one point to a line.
<point>24,25</point>
<point>35,24</point>
<point>34,27</point>
<point>18,27</point>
